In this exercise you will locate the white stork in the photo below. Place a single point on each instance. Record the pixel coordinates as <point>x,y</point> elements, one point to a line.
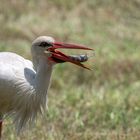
<point>24,85</point>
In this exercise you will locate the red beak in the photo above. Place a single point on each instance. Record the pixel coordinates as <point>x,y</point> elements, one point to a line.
<point>60,57</point>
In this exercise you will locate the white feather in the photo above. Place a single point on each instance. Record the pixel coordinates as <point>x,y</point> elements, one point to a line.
<point>23,91</point>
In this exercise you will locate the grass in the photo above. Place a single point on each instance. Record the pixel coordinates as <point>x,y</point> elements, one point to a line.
<point>103,104</point>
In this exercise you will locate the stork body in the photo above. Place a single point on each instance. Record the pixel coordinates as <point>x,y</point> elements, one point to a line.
<point>24,85</point>
<point>22,89</point>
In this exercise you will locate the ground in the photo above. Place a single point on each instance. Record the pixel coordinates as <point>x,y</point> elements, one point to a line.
<point>102,104</point>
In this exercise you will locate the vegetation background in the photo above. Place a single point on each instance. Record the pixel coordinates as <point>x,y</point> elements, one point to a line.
<point>103,104</point>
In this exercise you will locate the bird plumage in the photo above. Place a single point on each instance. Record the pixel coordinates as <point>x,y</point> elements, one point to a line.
<point>23,89</point>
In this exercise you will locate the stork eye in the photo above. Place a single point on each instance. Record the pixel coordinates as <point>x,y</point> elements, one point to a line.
<point>45,44</point>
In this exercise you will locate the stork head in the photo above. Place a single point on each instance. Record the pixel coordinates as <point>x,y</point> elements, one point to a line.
<point>48,47</point>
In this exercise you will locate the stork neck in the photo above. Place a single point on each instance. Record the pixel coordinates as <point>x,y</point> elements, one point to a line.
<point>43,76</point>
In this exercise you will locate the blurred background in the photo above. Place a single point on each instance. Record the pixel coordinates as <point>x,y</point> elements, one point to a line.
<point>103,104</point>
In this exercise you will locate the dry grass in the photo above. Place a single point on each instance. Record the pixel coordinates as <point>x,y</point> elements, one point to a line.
<point>103,104</point>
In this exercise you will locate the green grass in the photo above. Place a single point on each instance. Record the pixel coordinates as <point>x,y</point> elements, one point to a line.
<point>103,104</point>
